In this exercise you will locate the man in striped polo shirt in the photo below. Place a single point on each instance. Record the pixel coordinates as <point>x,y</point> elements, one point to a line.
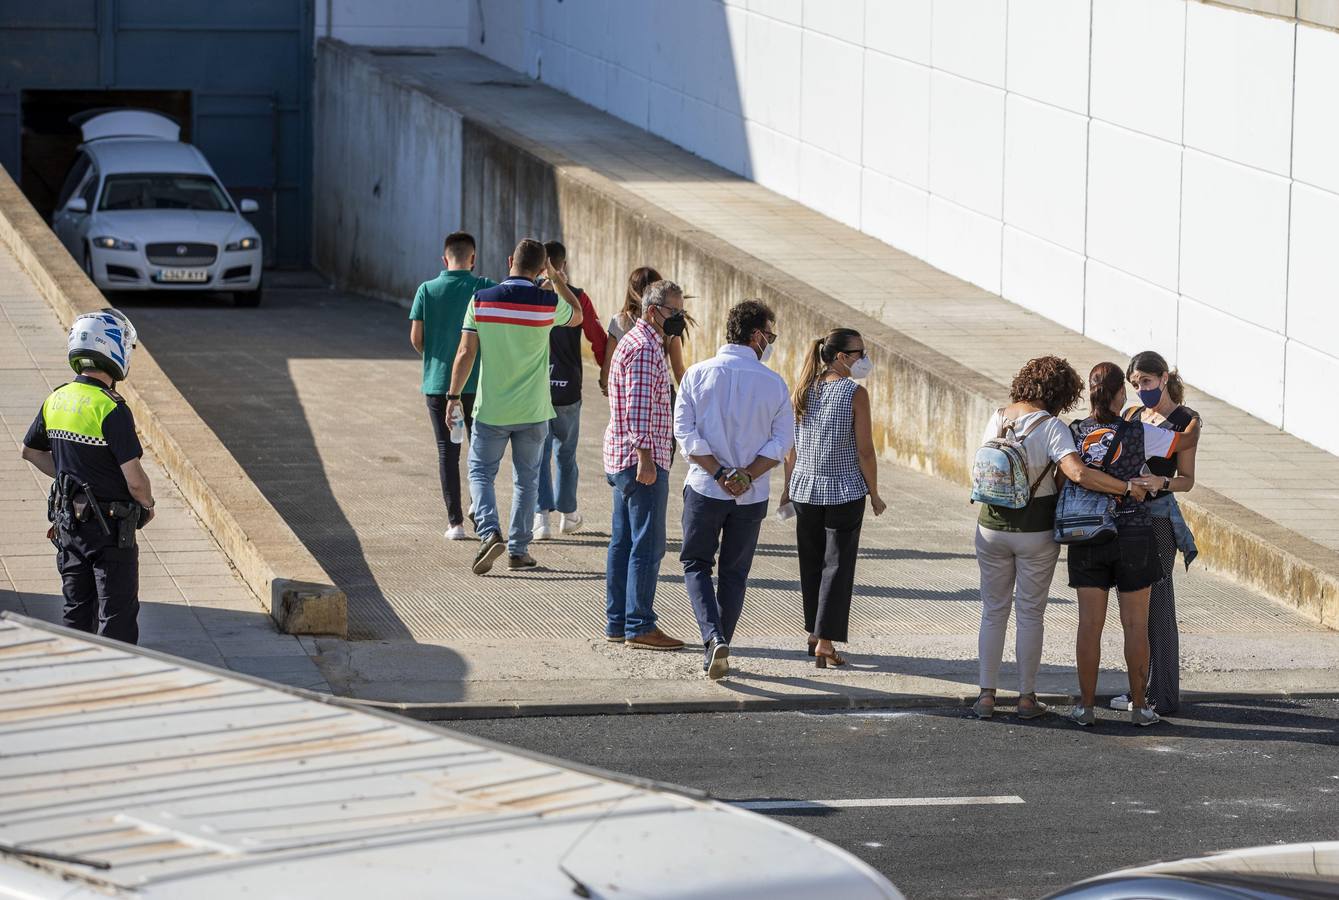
<point>507,328</point>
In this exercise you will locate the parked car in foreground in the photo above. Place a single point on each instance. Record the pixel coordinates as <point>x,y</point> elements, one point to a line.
<point>126,772</point>
<point>142,211</point>
<point>1292,871</point>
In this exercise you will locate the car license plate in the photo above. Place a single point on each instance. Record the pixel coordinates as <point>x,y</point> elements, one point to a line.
<point>183,274</point>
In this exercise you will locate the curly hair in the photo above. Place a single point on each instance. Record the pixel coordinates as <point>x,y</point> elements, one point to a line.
<point>1048,380</point>
<point>745,318</point>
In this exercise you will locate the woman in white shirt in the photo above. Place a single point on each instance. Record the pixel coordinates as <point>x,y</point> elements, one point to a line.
<point>1015,548</point>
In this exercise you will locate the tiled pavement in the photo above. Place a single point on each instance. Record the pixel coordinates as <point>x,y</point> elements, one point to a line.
<point>193,603</point>
<point>334,432</point>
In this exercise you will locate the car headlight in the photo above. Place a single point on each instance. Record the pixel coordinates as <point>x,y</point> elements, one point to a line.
<point>248,243</point>
<point>111,243</point>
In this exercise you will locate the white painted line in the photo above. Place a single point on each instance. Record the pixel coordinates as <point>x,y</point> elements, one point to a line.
<point>763,805</point>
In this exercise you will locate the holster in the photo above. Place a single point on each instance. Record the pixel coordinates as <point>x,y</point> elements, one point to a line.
<point>125,530</point>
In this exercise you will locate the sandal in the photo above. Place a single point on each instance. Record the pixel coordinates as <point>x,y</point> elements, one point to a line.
<point>821,660</point>
<point>812,644</point>
<point>984,707</point>
<point>1035,710</point>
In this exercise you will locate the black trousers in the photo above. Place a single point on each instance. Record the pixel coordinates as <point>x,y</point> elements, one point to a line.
<point>100,582</point>
<point>448,453</point>
<point>829,541</point>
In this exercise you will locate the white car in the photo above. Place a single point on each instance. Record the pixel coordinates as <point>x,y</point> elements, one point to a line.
<point>142,211</point>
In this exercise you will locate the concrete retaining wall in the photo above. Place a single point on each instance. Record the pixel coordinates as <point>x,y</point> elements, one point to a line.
<point>928,408</point>
<point>387,180</point>
<point>269,557</point>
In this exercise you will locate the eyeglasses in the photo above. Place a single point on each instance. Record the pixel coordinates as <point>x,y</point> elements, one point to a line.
<point>770,335</point>
<point>858,354</point>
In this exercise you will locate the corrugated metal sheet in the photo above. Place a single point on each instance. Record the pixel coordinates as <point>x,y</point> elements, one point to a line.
<point>188,781</point>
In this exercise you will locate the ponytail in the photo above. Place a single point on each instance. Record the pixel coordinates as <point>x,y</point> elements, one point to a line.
<point>1176,388</point>
<point>821,354</point>
<point>1105,382</point>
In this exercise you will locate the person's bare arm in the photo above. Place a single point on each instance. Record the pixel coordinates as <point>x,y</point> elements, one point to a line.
<point>604,366</point>
<point>790,470</point>
<point>416,334</point>
<point>1184,479</point>
<point>565,293</point>
<point>1072,467</point>
<point>42,460</point>
<point>137,480</point>
<point>675,347</point>
<point>864,446</point>
<point>461,368</point>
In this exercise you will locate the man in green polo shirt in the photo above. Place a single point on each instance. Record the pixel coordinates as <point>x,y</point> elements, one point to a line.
<point>507,327</point>
<point>439,311</point>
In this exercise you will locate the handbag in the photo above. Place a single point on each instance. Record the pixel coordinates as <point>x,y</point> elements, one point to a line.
<point>1087,517</point>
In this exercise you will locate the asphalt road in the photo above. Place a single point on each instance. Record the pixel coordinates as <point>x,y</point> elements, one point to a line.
<point>1222,775</point>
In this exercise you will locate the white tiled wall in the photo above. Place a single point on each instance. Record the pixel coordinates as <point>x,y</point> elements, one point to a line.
<point>1157,173</point>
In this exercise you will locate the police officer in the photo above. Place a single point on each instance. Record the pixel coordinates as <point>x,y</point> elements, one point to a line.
<point>84,438</point>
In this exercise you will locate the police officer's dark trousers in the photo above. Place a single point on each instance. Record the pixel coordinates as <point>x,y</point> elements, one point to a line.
<point>100,582</point>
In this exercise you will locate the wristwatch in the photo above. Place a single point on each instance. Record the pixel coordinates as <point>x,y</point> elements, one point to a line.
<point>453,396</point>
<point>719,473</point>
<point>1128,488</point>
<point>1166,483</point>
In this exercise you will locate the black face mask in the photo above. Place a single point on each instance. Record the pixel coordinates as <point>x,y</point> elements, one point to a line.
<point>674,325</point>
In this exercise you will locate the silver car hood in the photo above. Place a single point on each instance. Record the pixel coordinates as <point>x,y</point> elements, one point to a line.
<point>148,226</point>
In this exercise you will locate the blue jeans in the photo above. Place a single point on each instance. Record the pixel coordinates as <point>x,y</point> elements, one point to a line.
<point>708,525</point>
<point>636,546</point>
<point>563,431</point>
<point>487,445</point>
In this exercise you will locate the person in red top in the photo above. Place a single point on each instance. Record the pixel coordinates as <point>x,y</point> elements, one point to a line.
<point>565,376</point>
<point>637,459</point>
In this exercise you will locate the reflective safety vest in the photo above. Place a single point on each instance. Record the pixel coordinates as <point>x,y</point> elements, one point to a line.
<point>75,412</point>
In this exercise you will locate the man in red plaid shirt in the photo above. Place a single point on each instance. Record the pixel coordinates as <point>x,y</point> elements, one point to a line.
<point>637,456</point>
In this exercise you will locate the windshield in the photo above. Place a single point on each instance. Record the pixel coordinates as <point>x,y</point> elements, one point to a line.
<point>163,191</point>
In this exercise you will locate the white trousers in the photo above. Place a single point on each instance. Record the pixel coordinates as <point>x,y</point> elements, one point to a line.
<point>1016,568</point>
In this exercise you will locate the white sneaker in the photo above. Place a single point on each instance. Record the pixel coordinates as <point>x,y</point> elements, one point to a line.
<point>456,533</point>
<point>1122,703</point>
<point>570,523</point>
<point>543,529</point>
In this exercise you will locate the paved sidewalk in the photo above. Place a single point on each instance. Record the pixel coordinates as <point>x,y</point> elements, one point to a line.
<point>192,602</point>
<point>335,433</point>
<point>1246,460</point>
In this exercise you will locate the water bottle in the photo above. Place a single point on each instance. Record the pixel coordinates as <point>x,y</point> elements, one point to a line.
<point>458,426</point>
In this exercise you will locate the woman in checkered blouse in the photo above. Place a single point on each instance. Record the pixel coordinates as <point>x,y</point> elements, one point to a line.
<point>828,475</point>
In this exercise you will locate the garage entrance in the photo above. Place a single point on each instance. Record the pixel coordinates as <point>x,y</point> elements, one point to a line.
<point>235,76</point>
<point>48,140</point>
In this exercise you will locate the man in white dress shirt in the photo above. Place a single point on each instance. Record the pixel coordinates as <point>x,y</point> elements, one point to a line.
<point>734,423</point>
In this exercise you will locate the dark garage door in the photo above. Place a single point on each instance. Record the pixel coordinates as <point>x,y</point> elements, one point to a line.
<point>237,75</point>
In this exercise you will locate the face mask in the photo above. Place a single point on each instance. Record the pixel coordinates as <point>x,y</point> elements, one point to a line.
<point>1151,398</point>
<point>766,352</point>
<point>674,325</point>
<point>861,368</point>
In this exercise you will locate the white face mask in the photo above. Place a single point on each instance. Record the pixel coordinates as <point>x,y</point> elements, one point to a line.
<point>861,368</point>
<point>766,352</point>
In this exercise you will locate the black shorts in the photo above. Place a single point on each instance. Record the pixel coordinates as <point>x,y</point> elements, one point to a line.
<point>1129,563</point>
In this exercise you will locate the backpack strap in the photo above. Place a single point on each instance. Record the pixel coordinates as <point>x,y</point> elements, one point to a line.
<point>1033,427</point>
<point>1032,492</point>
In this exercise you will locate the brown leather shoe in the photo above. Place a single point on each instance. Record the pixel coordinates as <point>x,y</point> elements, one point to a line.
<point>655,639</point>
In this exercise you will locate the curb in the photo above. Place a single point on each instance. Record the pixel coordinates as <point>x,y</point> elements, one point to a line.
<point>447,712</point>
<point>277,567</point>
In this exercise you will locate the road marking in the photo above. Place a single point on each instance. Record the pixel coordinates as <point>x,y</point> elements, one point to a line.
<point>764,805</point>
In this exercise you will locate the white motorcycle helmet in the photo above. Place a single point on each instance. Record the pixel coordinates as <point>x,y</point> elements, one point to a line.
<point>102,340</point>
